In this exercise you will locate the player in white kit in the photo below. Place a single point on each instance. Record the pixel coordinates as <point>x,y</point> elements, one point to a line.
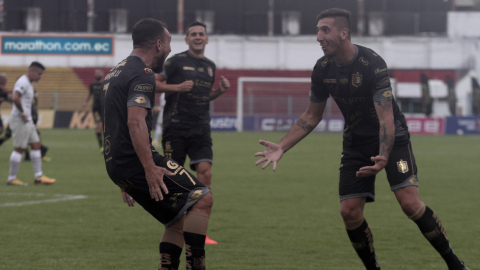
<point>23,129</point>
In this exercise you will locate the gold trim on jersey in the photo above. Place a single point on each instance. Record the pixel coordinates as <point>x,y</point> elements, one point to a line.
<point>364,61</point>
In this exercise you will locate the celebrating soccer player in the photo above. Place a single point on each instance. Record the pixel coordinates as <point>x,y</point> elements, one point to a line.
<point>160,185</point>
<point>187,115</point>
<point>376,137</point>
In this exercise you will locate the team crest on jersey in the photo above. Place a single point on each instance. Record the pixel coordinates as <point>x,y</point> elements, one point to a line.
<point>402,166</point>
<point>343,80</point>
<point>326,61</point>
<point>357,79</point>
<point>364,61</point>
<point>148,71</point>
<point>210,71</point>
<point>141,100</point>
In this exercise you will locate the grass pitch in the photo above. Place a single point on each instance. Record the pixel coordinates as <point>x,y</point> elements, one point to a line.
<point>288,219</point>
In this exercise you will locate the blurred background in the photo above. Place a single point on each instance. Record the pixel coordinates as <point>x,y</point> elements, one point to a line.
<point>266,48</point>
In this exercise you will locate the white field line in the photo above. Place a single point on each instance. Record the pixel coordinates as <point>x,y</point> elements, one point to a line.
<point>58,198</point>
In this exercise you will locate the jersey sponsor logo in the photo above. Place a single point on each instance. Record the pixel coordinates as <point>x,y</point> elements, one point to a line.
<point>329,80</point>
<point>402,166</point>
<point>383,83</point>
<point>182,55</point>
<point>201,69</point>
<point>210,71</point>
<point>141,100</point>
<point>357,79</point>
<point>145,87</point>
<point>202,83</point>
<point>327,61</point>
<point>188,68</point>
<point>344,80</point>
<point>387,94</point>
<point>364,61</point>
<point>380,70</point>
<point>167,63</point>
<point>148,71</point>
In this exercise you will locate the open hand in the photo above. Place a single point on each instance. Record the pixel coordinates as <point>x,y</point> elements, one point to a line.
<point>127,198</point>
<point>380,163</point>
<point>273,153</point>
<point>155,182</point>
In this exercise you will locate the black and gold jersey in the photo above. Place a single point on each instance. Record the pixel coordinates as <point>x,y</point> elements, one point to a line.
<point>185,110</point>
<point>96,91</point>
<point>355,87</point>
<point>130,83</point>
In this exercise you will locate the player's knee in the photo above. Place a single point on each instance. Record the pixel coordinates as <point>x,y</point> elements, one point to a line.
<point>351,213</point>
<point>204,204</point>
<point>410,206</point>
<point>207,174</point>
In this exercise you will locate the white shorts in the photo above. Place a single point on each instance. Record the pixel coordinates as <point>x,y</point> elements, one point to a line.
<point>23,134</point>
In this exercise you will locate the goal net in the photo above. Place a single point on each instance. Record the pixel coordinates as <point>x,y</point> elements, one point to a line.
<point>274,101</point>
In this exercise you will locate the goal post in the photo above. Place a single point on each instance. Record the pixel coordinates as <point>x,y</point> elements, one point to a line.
<point>240,91</point>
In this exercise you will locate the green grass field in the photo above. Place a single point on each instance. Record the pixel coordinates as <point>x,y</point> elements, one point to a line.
<point>288,219</point>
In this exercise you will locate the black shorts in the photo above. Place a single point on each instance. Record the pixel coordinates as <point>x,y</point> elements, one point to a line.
<point>1,122</point>
<point>184,190</point>
<point>195,142</point>
<point>401,171</point>
<point>97,115</point>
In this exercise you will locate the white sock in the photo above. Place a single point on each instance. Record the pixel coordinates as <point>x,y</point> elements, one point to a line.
<point>158,132</point>
<point>36,158</point>
<point>15,159</point>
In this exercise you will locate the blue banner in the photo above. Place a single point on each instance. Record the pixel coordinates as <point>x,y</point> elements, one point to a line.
<point>463,125</point>
<point>71,45</point>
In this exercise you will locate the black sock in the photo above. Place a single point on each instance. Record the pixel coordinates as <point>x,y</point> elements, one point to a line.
<point>169,256</point>
<point>431,227</point>
<point>99,138</point>
<point>194,251</point>
<point>362,241</point>
<point>43,150</point>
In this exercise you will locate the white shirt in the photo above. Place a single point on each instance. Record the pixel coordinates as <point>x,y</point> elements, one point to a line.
<point>25,88</point>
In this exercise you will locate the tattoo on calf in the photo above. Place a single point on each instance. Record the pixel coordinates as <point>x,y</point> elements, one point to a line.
<point>301,123</point>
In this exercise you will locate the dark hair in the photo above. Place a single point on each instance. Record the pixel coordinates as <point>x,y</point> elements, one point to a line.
<point>37,65</point>
<point>341,16</point>
<point>147,31</point>
<point>196,24</point>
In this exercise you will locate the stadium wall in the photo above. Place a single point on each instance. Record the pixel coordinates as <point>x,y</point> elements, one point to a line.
<point>252,52</point>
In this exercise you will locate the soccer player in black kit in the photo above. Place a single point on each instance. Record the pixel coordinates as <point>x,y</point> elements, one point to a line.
<point>186,117</point>
<point>375,137</point>
<point>96,92</point>
<point>160,185</point>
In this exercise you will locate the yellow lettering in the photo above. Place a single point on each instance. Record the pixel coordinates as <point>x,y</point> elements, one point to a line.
<point>185,172</point>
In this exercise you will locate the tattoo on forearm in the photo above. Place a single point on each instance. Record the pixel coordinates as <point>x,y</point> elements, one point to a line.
<point>386,141</point>
<point>301,123</point>
<point>385,104</point>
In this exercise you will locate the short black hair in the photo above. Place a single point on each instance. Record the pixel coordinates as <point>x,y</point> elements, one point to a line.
<point>341,16</point>
<point>147,31</point>
<point>196,24</point>
<point>37,65</point>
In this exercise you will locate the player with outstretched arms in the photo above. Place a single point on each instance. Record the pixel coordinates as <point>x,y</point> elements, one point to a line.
<point>375,137</point>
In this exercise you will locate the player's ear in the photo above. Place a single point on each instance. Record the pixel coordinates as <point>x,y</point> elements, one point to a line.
<point>159,44</point>
<point>344,33</point>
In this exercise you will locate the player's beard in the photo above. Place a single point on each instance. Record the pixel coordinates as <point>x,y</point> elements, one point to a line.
<point>157,66</point>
